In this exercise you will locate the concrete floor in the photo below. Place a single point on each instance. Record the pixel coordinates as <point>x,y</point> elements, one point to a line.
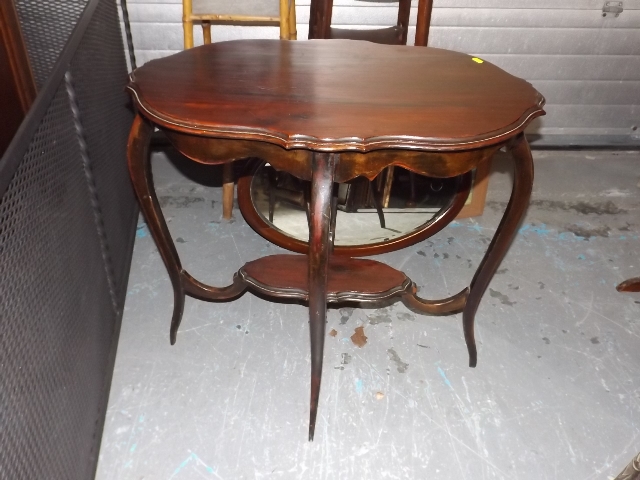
<point>556,393</point>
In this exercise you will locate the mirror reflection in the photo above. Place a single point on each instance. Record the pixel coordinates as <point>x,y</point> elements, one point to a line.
<point>396,203</point>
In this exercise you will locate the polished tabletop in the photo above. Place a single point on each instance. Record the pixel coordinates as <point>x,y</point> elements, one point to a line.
<point>335,95</point>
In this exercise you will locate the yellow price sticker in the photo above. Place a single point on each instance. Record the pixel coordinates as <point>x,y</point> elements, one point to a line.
<point>477,60</point>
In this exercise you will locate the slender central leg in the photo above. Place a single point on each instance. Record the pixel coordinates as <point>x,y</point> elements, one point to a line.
<point>323,168</point>
<point>518,203</point>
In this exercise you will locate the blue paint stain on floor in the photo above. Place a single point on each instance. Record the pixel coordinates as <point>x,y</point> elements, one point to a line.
<point>444,378</point>
<point>182,465</point>
<point>141,231</point>
<point>359,386</point>
<point>540,230</point>
<point>198,461</point>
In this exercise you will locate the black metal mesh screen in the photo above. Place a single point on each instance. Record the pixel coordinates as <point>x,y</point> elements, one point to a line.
<point>46,27</point>
<point>64,207</point>
<point>99,73</point>
<point>52,314</point>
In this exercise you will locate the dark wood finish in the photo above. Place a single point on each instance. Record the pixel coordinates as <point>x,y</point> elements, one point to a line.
<point>348,279</point>
<point>443,101</point>
<point>423,22</point>
<point>16,79</point>
<point>518,203</point>
<point>631,285</point>
<point>142,179</point>
<point>320,13</point>
<point>352,164</point>
<point>266,229</point>
<point>445,306</point>
<point>303,105</point>
<point>323,166</point>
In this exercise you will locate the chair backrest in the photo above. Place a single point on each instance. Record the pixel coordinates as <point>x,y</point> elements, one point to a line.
<point>320,23</point>
<point>206,12</point>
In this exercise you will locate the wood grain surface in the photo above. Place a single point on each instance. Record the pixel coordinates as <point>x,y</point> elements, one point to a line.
<point>345,275</point>
<point>335,95</point>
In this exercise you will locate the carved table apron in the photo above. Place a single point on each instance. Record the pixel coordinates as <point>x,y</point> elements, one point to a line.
<point>329,111</point>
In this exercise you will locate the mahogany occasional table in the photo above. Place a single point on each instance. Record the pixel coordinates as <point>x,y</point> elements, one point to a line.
<point>329,111</point>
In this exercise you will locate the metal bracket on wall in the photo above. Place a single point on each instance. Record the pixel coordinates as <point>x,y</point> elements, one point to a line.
<point>612,8</point>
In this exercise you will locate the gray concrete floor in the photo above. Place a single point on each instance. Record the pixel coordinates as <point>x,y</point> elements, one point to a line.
<point>556,393</point>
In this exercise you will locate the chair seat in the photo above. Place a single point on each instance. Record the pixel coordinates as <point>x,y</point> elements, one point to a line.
<point>347,92</point>
<point>386,36</point>
<point>254,8</point>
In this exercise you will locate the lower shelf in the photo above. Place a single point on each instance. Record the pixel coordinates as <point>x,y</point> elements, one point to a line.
<point>349,279</point>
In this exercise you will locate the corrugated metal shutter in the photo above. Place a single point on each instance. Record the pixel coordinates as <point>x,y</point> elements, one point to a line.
<point>587,65</point>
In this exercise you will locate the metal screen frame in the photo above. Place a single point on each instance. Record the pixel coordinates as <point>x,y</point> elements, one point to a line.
<point>67,225</point>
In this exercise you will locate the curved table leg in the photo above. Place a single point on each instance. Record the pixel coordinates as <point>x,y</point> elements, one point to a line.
<point>142,178</point>
<point>520,194</point>
<point>183,283</point>
<point>630,285</point>
<point>445,306</point>
<point>323,167</point>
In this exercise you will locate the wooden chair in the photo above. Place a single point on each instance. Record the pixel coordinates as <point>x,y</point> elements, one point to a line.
<point>280,13</point>
<point>320,24</point>
<point>320,27</point>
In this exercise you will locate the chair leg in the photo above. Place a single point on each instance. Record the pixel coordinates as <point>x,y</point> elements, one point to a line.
<point>227,172</point>
<point>412,190</point>
<point>273,184</point>
<point>388,182</point>
<point>206,32</point>
<point>518,203</point>
<point>227,190</point>
<point>293,28</point>
<point>334,215</point>
<point>285,12</point>
<point>377,200</point>
<point>323,168</point>
<point>142,179</point>
<point>187,24</point>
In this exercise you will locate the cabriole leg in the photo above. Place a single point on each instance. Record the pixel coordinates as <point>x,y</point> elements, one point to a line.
<point>142,178</point>
<point>518,203</point>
